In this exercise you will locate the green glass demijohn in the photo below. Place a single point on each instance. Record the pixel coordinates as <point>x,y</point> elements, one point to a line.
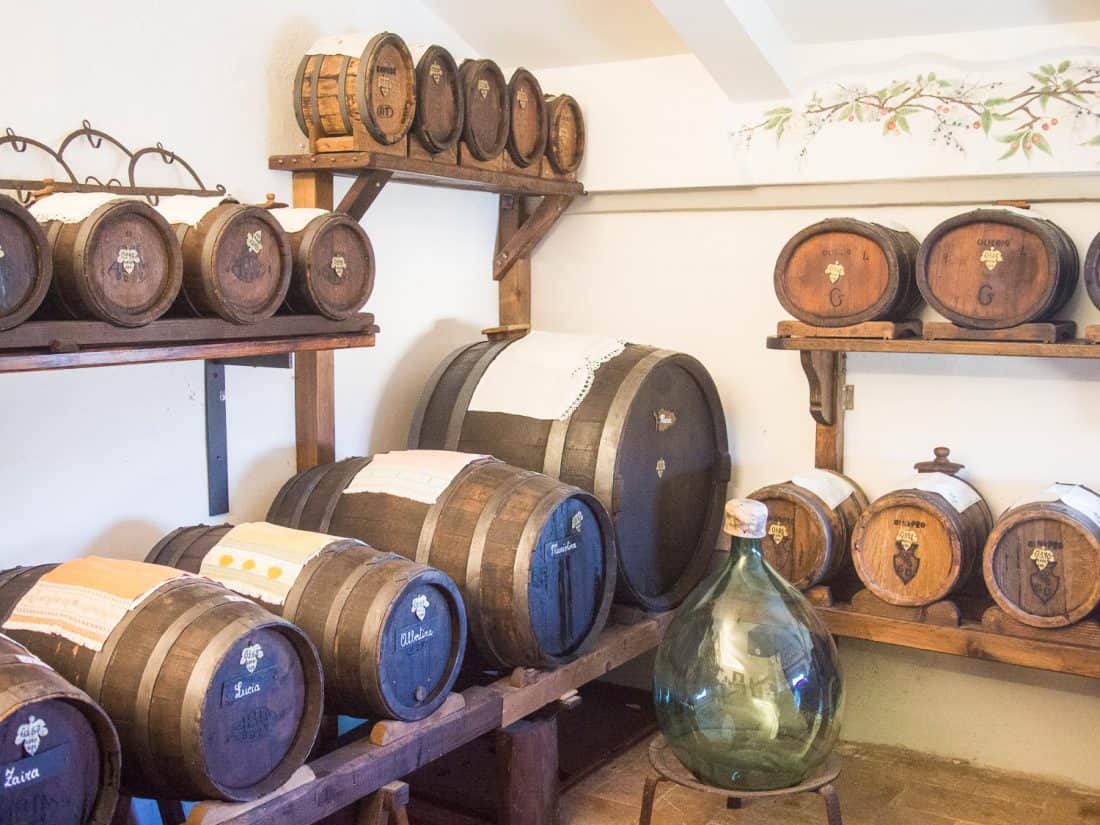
<point>746,684</point>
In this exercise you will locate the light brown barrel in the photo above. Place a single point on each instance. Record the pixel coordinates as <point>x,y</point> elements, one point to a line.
<point>375,87</point>
<point>333,263</point>
<point>236,264</point>
<point>534,558</point>
<point>486,120</point>
<point>1092,271</point>
<point>120,262</point>
<point>440,101</point>
<point>528,121</point>
<point>197,716</point>
<point>995,268</point>
<point>810,523</point>
<point>1042,560</point>
<point>391,633</point>
<point>26,266</point>
<point>914,546</point>
<point>842,271</point>
<point>59,753</point>
<point>648,440</point>
<point>566,137</point>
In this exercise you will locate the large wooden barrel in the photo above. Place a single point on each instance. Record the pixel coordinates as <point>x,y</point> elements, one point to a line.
<point>997,268</point>
<point>440,100</point>
<point>391,633</point>
<point>59,752</point>
<point>236,259</point>
<point>566,138</point>
<point>527,118</point>
<point>534,558</point>
<point>1092,270</point>
<point>114,259</point>
<point>356,77</point>
<point>923,541</point>
<point>26,266</point>
<point>648,439</point>
<point>842,271</point>
<point>810,523</point>
<point>486,119</point>
<point>333,262</point>
<point>213,697</point>
<point>1042,560</point>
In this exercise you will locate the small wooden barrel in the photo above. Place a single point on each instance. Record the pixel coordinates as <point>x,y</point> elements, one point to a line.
<point>842,271</point>
<point>59,751</point>
<point>995,268</point>
<point>565,144</point>
<point>1042,560</point>
<point>114,260</point>
<point>921,543</point>
<point>236,259</point>
<point>534,558</point>
<point>440,100</point>
<point>487,117</point>
<point>648,440</point>
<point>213,697</point>
<point>1092,270</point>
<point>810,523</point>
<point>333,262</point>
<point>26,266</point>
<point>527,117</point>
<point>391,633</point>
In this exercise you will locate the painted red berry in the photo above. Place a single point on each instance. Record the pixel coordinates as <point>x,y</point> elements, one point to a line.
<point>1046,127</point>
<point>851,118</point>
<point>1054,121</point>
<point>977,124</point>
<point>1015,144</point>
<point>891,125</point>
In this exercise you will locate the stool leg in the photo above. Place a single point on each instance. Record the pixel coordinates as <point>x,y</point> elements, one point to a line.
<point>832,804</point>
<point>649,795</point>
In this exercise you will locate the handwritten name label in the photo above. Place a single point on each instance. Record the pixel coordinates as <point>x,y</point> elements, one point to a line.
<point>31,769</point>
<point>414,636</point>
<point>233,690</point>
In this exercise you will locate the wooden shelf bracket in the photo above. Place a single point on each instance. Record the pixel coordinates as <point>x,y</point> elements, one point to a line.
<point>825,372</point>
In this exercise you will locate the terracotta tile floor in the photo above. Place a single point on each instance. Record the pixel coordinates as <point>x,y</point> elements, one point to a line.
<point>877,786</point>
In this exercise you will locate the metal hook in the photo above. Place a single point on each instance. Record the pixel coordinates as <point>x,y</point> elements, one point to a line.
<point>96,143</point>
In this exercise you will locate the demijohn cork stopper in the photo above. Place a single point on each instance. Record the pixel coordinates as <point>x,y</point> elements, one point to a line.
<point>746,518</point>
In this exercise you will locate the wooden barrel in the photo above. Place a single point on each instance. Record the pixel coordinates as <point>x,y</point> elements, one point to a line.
<point>1092,270</point>
<point>1042,560</point>
<point>213,697</point>
<point>810,523</point>
<point>356,78</point>
<point>440,100</point>
<point>527,118</point>
<point>236,259</point>
<point>648,439</point>
<point>842,271</point>
<point>995,268</point>
<point>565,143</point>
<point>114,260</point>
<point>59,751</point>
<point>486,120</point>
<point>922,542</point>
<point>333,262</point>
<point>391,633</point>
<point>26,266</point>
<point>534,558</point>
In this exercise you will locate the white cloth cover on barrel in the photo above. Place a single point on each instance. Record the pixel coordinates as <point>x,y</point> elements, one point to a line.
<point>294,219</point>
<point>71,207</point>
<point>544,375</point>
<point>956,492</point>
<point>829,487</point>
<point>420,475</point>
<point>263,560</point>
<point>1077,496</point>
<point>85,600</point>
<point>188,209</point>
<point>353,44</point>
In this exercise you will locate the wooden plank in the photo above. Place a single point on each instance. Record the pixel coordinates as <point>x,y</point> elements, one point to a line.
<point>1065,349</point>
<point>312,188</point>
<point>1044,333</point>
<point>868,329</point>
<point>363,192</point>
<point>522,241</point>
<point>1092,334</point>
<point>514,288</point>
<point>315,408</point>
<point>390,730</point>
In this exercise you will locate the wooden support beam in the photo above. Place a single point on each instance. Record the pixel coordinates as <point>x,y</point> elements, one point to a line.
<point>527,772</point>
<point>525,238</point>
<point>825,372</point>
<point>363,191</point>
<point>515,284</point>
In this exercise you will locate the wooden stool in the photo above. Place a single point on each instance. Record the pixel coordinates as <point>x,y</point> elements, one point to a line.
<point>668,767</point>
<point>386,806</point>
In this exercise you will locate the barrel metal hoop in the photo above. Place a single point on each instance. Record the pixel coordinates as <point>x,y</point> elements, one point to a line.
<point>426,396</point>
<point>521,569</point>
<point>361,102</point>
<point>299,88</point>
<point>466,394</point>
<point>310,478</point>
<point>336,608</point>
<point>370,639</point>
<point>427,529</point>
<point>341,96</point>
<point>555,446</point>
<point>298,589</point>
<point>356,465</point>
<point>315,80</point>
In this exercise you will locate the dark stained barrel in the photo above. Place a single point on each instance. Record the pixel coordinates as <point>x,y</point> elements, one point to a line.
<point>842,271</point>
<point>333,262</point>
<point>996,268</point>
<point>114,260</point>
<point>236,259</point>
<point>648,439</point>
<point>212,696</point>
<point>440,100</point>
<point>566,137</point>
<point>1092,270</point>
<point>26,266</point>
<point>534,558</point>
<point>528,119</point>
<point>391,633</point>
<point>486,120</point>
<point>59,754</point>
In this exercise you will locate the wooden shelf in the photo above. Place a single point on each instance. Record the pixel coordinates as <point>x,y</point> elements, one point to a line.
<point>425,173</point>
<point>1065,349</point>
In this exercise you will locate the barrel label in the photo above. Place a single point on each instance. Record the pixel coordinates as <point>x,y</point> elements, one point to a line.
<point>253,725</point>
<point>483,88</point>
<point>35,768</point>
<point>30,734</point>
<point>420,605</point>
<point>435,72</point>
<point>339,265</point>
<point>521,98</point>
<point>413,637</point>
<point>779,532</point>
<point>991,256</point>
<point>906,563</point>
<point>666,420</point>
<point>257,682</point>
<point>562,546</point>
<point>386,75</point>
<point>250,657</point>
<point>577,521</point>
<point>1044,583</point>
<point>661,467</point>
<point>127,265</point>
<point>834,271</point>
